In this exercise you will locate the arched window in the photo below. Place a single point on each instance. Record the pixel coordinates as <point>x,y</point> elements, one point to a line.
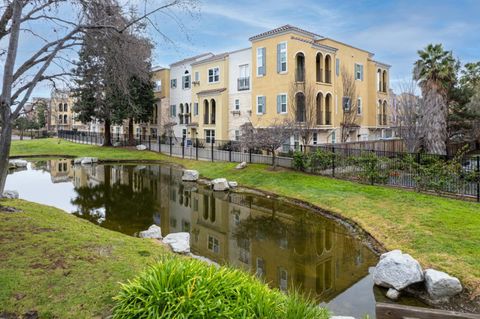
<point>187,113</point>
<point>60,107</point>
<point>319,109</point>
<point>300,107</point>
<point>384,113</point>
<point>65,107</point>
<point>213,107</point>
<point>328,69</point>
<point>212,209</point>
<point>65,119</point>
<point>384,81</point>
<point>328,109</point>
<point>320,279</point>
<point>379,80</point>
<point>60,119</point>
<point>300,67</point>
<point>205,111</point>
<point>320,241</point>
<point>318,67</point>
<point>180,114</point>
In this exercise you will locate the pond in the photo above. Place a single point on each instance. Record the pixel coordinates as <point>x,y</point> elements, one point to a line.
<point>286,245</point>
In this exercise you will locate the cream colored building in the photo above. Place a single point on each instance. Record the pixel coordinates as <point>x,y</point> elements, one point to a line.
<point>61,112</point>
<point>290,61</point>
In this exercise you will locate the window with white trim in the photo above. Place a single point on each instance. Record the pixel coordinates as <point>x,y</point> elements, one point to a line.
<point>358,72</point>
<point>197,76</point>
<point>213,75</point>
<point>186,81</point>
<point>261,105</point>
<point>359,106</point>
<point>282,104</point>
<point>260,61</point>
<point>210,136</point>
<point>173,110</point>
<point>213,244</point>
<point>282,57</point>
<point>237,104</point>
<point>237,135</point>
<point>195,109</point>
<point>173,83</point>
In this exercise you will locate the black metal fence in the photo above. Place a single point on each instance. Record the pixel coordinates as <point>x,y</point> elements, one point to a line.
<point>454,175</point>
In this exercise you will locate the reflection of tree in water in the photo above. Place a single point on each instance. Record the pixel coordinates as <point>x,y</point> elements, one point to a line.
<point>125,209</point>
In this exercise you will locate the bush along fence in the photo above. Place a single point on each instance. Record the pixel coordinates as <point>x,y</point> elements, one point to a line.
<point>457,175</point>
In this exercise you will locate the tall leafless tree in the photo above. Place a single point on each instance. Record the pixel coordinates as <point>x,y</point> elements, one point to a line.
<point>349,105</point>
<point>303,113</point>
<point>47,62</point>
<point>268,139</point>
<point>409,111</point>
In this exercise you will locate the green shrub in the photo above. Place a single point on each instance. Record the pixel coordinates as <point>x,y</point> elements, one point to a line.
<point>300,161</point>
<point>320,160</point>
<point>373,169</point>
<point>188,288</point>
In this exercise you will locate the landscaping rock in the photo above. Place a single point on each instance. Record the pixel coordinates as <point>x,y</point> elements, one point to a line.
<point>441,286</point>
<point>153,232</point>
<point>220,184</point>
<point>179,242</point>
<point>242,165</point>
<point>190,175</point>
<point>397,270</point>
<point>78,161</point>
<point>89,160</point>
<point>117,144</point>
<point>393,294</point>
<point>141,147</point>
<point>204,259</point>
<point>10,194</point>
<point>18,163</point>
<point>233,184</point>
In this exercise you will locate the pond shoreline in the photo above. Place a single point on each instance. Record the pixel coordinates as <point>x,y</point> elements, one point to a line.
<point>466,302</point>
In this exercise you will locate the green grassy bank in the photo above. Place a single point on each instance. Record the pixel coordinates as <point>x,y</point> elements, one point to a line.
<point>60,266</point>
<point>440,232</point>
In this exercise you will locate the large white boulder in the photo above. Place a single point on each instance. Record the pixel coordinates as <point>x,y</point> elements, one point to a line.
<point>190,175</point>
<point>393,294</point>
<point>141,147</point>
<point>232,184</point>
<point>18,163</point>
<point>397,270</point>
<point>78,161</point>
<point>242,165</point>
<point>10,194</point>
<point>220,184</point>
<point>440,285</point>
<point>152,232</point>
<point>179,242</point>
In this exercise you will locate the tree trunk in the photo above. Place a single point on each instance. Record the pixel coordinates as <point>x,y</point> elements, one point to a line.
<point>5,142</point>
<point>107,134</point>
<point>274,163</point>
<point>131,139</point>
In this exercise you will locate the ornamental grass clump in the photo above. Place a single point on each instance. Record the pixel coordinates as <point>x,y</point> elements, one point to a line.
<point>188,288</point>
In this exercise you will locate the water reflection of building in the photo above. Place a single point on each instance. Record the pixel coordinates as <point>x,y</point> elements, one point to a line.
<point>60,170</point>
<point>285,245</point>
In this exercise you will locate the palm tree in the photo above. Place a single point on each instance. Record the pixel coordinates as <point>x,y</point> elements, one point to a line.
<point>435,72</point>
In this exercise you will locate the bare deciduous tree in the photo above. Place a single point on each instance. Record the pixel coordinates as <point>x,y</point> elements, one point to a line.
<point>268,139</point>
<point>349,105</point>
<point>409,107</point>
<point>304,116</point>
<point>47,62</point>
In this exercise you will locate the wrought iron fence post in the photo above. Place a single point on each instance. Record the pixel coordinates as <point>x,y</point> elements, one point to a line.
<point>170,146</point>
<point>333,161</point>
<point>183,147</point>
<point>250,155</point>
<point>478,178</point>
<point>230,154</point>
<point>196,149</point>
<point>149,143</point>
<point>211,144</point>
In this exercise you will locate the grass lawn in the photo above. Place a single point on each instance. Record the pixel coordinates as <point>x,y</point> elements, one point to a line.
<point>440,232</point>
<point>63,266</point>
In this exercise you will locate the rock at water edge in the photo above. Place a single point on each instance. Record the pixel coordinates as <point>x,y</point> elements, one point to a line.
<point>179,242</point>
<point>10,194</point>
<point>190,175</point>
<point>220,184</point>
<point>153,232</point>
<point>440,285</point>
<point>397,270</point>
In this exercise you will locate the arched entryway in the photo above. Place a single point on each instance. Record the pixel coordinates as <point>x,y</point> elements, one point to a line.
<point>300,67</point>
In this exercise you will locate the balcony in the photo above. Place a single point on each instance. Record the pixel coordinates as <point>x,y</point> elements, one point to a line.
<point>328,118</point>
<point>300,75</point>
<point>382,119</point>
<point>243,84</point>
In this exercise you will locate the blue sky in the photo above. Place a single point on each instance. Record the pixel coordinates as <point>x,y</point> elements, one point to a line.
<point>393,30</point>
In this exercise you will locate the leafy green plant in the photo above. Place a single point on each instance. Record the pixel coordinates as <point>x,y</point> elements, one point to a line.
<point>373,169</point>
<point>187,288</point>
<point>300,161</point>
<point>320,160</point>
